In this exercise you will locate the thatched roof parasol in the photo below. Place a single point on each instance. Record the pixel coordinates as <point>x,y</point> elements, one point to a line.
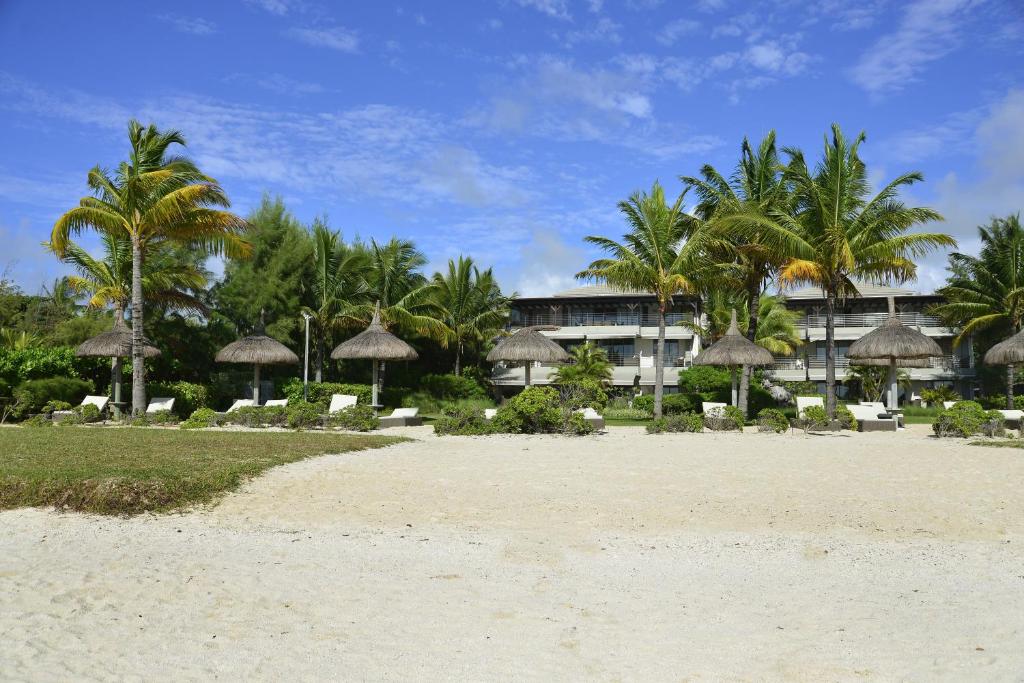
<point>117,343</point>
<point>734,349</point>
<point>1007,352</point>
<point>900,362</point>
<point>374,343</point>
<point>526,346</point>
<point>258,349</point>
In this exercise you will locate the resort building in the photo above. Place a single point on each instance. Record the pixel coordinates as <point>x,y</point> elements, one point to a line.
<point>625,325</point>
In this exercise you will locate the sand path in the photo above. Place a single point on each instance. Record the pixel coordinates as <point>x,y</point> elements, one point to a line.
<point>617,557</point>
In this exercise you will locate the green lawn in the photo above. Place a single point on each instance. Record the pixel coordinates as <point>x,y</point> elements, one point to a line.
<point>133,470</point>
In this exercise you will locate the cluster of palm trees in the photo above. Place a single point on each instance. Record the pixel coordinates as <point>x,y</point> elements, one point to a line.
<point>770,224</point>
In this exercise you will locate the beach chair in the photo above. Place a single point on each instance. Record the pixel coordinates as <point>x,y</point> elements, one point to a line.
<point>99,401</point>
<point>1012,418</point>
<point>946,405</point>
<point>340,402</point>
<point>240,403</point>
<point>880,407</point>
<point>592,416</point>
<point>805,402</point>
<point>402,417</point>
<point>873,419</point>
<point>160,405</point>
<point>489,413</point>
<point>711,409</point>
<point>276,403</point>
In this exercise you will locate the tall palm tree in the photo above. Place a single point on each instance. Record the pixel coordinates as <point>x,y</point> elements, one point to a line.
<point>590,361</point>
<point>777,329</point>
<point>985,293</point>
<point>340,283</point>
<point>842,233</point>
<point>470,304</point>
<point>736,208</point>
<point>152,198</point>
<point>658,255</point>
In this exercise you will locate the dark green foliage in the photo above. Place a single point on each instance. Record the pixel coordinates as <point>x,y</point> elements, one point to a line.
<point>814,418</point>
<point>710,383</point>
<point>37,421</point>
<point>539,410</point>
<point>846,418</point>
<point>452,387</point>
<point>936,397</point>
<point>258,416</point>
<point>302,415</point>
<point>36,393</point>
<point>320,392</point>
<point>54,405</point>
<point>201,418</point>
<point>968,418</point>
<point>357,418</point>
<point>576,425</point>
<point>729,419</point>
<point>772,420</point>
<point>463,422</point>
<point>680,422</point>
<point>645,402</point>
<point>583,393</point>
<point>89,413</point>
<point>17,366</point>
<point>163,417</point>
<point>676,404</point>
<point>188,397</point>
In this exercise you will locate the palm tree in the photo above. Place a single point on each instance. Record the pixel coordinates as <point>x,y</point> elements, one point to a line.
<point>658,255</point>
<point>152,198</point>
<point>735,209</point>
<point>589,361</point>
<point>777,328</point>
<point>985,293</point>
<point>841,233</point>
<point>470,304</point>
<point>339,284</point>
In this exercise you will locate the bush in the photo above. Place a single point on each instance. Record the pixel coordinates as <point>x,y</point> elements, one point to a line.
<point>583,393</point>
<point>814,417</point>
<point>358,418</point>
<point>936,397</point>
<point>772,420</point>
<point>676,404</point>
<point>89,413</point>
<point>576,425</point>
<point>626,414</point>
<point>163,417</point>
<point>39,362</point>
<point>320,392</point>
<point>968,418</point>
<point>188,397</point>
<point>463,422</point>
<point>302,415</point>
<point>846,418</point>
<point>708,382</point>
<point>534,410</point>
<point>681,422</point>
<point>36,393</point>
<point>731,419</point>
<point>37,421</point>
<point>452,387</point>
<point>200,419</point>
<point>54,406</point>
<point>644,402</point>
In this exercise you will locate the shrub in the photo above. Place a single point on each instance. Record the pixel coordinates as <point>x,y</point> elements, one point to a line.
<point>626,414</point>
<point>430,405</point>
<point>709,382</point>
<point>358,418</point>
<point>644,402</point>
<point>89,413</point>
<point>38,362</point>
<point>201,418</point>
<point>814,417</point>
<point>967,418</point>
<point>583,393</point>
<point>772,420</point>
<point>534,410</point>
<point>5,388</point>
<point>163,417</point>
<point>675,404</point>
<point>34,394</point>
<point>320,392</point>
<point>577,425</point>
<point>188,397</point>
<point>37,421</point>
<point>463,422</point>
<point>452,387</point>
<point>730,419</point>
<point>937,396</point>
<point>302,415</point>
<point>681,422</point>
<point>54,406</point>
<point>846,418</point>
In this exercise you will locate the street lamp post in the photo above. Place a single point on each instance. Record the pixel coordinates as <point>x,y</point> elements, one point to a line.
<point>305,368</point>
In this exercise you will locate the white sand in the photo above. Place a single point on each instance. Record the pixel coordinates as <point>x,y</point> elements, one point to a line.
<point>618,557</point>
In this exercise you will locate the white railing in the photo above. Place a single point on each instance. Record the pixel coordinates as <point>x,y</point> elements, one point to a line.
<point>949,363</point>
<point>913,318</point>
<point>600,319</point>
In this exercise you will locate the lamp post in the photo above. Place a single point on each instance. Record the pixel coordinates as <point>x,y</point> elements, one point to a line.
<point>305,368</point>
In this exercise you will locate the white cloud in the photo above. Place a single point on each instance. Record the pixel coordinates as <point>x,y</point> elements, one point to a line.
<point>928,31</point>
<point>459,173</point>
<point>709,6</point>
<point>336,37</point>
<point>550,263</point>
<point>559,9</point>
<point>194,25</point>
<point>604,31</point>
<point>278,7</point>
<point>595,6</point>
<point>279,83</point>
<point>675,30</point>
<point>843,15</point>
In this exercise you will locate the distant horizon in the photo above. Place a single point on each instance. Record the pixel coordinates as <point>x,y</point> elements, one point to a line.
<point>506,131</point>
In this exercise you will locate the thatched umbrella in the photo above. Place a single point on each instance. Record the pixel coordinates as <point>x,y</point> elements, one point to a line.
<point>376,344</point>
<point>734,350</point>
<point>1008,352</point>
<point>893,342</point>
<point>526,346</point>
<point>258,349</point>
<point>115,344</point>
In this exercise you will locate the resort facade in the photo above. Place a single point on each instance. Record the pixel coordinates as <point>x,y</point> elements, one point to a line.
<point>625,325</point>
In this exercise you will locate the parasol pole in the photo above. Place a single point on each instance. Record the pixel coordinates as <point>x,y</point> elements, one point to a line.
<point>376,375</point>
<point>256,385</point>
<point>735,391</point>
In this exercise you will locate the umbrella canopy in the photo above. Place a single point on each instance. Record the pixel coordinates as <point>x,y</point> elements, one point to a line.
<point>526,346</point>
<point>734,349</point>
<point>1007,352</point>
<point>900,362</point>
<point>117,343</point>
<point>258,349</point>
<point>374,343</point>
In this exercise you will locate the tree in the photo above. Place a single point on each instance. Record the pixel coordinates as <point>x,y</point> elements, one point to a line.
<point>736,209</point>
<point>470,305</point>
<point>873,380</point>
<point>152,198</point>
<point>841,233</point>
<point>985,294</point>
<point>657,255</point>
<point>589,362</point>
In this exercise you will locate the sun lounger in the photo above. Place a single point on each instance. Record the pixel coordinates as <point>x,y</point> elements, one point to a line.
<point>489,413</point>
<point>402,417</point>
<point>276,403</point>
<point>805,402</point>
<point>160,405</point>
<point>880,407</point>
<point>341,401</point>
<point>593,417</point>
<point>946,405</point>
<point>872,419</point>
<point>240,403</point>
<point>99,401</point>
<point>1013,418</point>
<point>712,409</point>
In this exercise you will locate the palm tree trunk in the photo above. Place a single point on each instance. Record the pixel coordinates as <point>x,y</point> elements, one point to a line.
<point>1009,387</point>
<point>321,351</point>
<point>458,359</point>
<point>138,357</point>
<point>830,356</point>
<point>753,299</point>
<point>659,363</point>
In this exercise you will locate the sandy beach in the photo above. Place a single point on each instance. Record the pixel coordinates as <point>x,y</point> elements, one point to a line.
<point>622,556</point>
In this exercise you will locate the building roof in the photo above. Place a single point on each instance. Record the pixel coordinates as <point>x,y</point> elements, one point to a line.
<point>587,291</point>
<point>866,290</point>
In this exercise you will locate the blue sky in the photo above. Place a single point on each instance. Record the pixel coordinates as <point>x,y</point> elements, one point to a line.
<point>503,129</point>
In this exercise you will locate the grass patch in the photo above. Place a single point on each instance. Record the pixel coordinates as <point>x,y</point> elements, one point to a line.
<point>128,471</point>
<point>1004,443</point>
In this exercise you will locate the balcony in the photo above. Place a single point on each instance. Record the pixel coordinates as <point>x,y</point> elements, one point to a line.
<point>601,320</point>
<point>912,319</point>
<point>948,363</point>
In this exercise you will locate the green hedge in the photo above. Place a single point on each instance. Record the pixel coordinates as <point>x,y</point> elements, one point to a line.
<point>968,418</point>
<point>188,397</point>
<point>320,392</point>
<point>36,393</point>
<point>451,387</point>
<point>20,365</point>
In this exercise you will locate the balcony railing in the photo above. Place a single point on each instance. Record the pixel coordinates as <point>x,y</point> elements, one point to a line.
<point>633,361</point>
<point>601,319</point>
<point>948,363</point>
<point>913,319</point>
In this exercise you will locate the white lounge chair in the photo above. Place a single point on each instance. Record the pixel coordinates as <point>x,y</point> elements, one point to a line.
<point>160,405</point>
<point>882,409</point>
<point>489,413</point>
<point>948,404</point>
<point>805,402</point>
<point>340,402</point>
<point>711,409</point>
<point>402,417</point>
<point>99,401</point>
<point>276,403</point>
<point>872,418</point>
<point>240,403</point>
<point>592,416</point>
<point>1013,418</point>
